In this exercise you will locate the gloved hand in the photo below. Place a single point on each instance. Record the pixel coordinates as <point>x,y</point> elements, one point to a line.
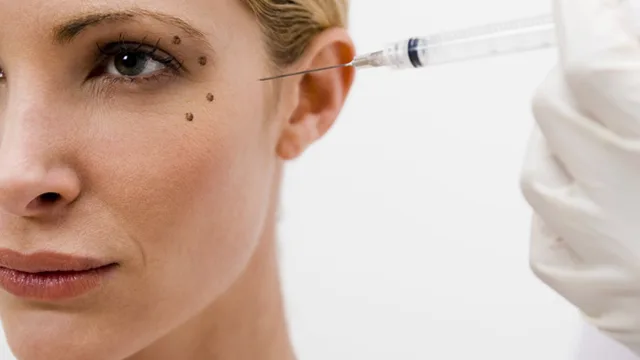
<point>582,172</point>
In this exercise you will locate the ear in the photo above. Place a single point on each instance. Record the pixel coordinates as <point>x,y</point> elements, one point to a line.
<point>319,96</point>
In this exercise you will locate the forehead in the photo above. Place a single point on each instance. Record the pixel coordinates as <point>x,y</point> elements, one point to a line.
<point>216,19</point>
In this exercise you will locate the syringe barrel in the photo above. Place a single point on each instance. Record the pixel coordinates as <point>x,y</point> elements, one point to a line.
<point>433,50</point>
<point>419,52</point>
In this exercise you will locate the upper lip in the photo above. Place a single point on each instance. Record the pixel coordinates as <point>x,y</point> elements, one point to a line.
<point>46,262</point>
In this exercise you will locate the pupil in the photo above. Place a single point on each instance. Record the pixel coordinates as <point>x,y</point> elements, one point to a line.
<point>131,64</point>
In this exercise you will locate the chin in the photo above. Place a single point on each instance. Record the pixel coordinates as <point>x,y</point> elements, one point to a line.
<point>70,352</point>
<point>63,339</point>
<point>59,349</point>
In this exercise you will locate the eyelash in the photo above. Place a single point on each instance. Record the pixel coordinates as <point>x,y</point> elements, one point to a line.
<point>109,51</point>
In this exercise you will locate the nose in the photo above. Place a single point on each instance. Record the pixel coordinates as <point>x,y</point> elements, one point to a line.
<point>30,189</point>
<point>35,181</point>
<point>36,176</point>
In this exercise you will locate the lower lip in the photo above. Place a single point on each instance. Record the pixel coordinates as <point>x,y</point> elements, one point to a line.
<point>52,286</point>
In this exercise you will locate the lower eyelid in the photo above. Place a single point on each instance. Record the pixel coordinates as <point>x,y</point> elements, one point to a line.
<point>110,85</point>
<point>158,75</point>
<point>140,81</point>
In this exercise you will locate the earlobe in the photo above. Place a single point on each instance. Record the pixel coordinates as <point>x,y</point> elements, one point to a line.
<point>321,95</point>
<point>297,137</point>
<point>289,146</point>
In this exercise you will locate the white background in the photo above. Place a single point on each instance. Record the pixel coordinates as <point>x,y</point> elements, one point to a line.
<point>404,234</point>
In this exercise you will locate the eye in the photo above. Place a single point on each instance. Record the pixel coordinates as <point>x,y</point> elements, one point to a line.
<point>132,61</point>
<point>2,75</point>
<point>133,64</point>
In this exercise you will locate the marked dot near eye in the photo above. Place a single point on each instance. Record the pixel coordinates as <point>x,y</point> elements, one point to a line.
<point>202,60</point>
<point>189,116</point>
<point>210,97</point>
<point>177,40</point>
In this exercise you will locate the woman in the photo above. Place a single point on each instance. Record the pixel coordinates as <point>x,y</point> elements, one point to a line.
<point>140,162</point>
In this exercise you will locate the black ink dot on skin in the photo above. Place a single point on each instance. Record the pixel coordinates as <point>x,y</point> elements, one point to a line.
<point>189,116</point>
<point>177,40</point>
<point>210,97</point>
<point>202,60</point>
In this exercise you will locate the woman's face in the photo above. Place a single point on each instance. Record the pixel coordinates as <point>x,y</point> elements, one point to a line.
<point>132,132</point>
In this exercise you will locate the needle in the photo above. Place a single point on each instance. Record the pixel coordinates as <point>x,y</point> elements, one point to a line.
<point>307,71</point>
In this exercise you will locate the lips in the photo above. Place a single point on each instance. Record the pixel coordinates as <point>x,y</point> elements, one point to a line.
<point>46,262</point>
<point>49,276</point>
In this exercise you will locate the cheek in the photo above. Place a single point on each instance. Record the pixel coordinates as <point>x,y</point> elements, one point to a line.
<point>192,196</point>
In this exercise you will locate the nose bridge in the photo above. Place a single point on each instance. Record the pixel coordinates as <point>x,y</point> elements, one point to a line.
<point>25,135</point>
<point>35,96</point>
<point>25,106</point>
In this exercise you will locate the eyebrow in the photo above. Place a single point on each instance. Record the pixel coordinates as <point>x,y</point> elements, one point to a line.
<point>70,29</point>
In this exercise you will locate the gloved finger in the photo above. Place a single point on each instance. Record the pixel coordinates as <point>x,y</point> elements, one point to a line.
<point>592,230</point>
<point>599,160</point>
<point>595,211</point>
<point>556,264</point>
<point>601,61</point>
<point>575,139</point>
<point>558,201</point>
<point>549,253</point>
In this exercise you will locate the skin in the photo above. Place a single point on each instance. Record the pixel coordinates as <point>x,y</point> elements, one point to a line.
<point>187,209</point>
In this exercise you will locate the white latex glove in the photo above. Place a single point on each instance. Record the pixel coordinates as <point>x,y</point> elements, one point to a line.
<point>582,173</point>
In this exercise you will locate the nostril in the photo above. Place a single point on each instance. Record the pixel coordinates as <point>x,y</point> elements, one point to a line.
<point>49,198</point>
<point>44,201</point>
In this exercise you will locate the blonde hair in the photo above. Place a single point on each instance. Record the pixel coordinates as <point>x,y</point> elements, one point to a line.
<point>290,25</point>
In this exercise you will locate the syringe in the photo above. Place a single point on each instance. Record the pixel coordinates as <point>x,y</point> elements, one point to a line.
<point>472,43</point>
